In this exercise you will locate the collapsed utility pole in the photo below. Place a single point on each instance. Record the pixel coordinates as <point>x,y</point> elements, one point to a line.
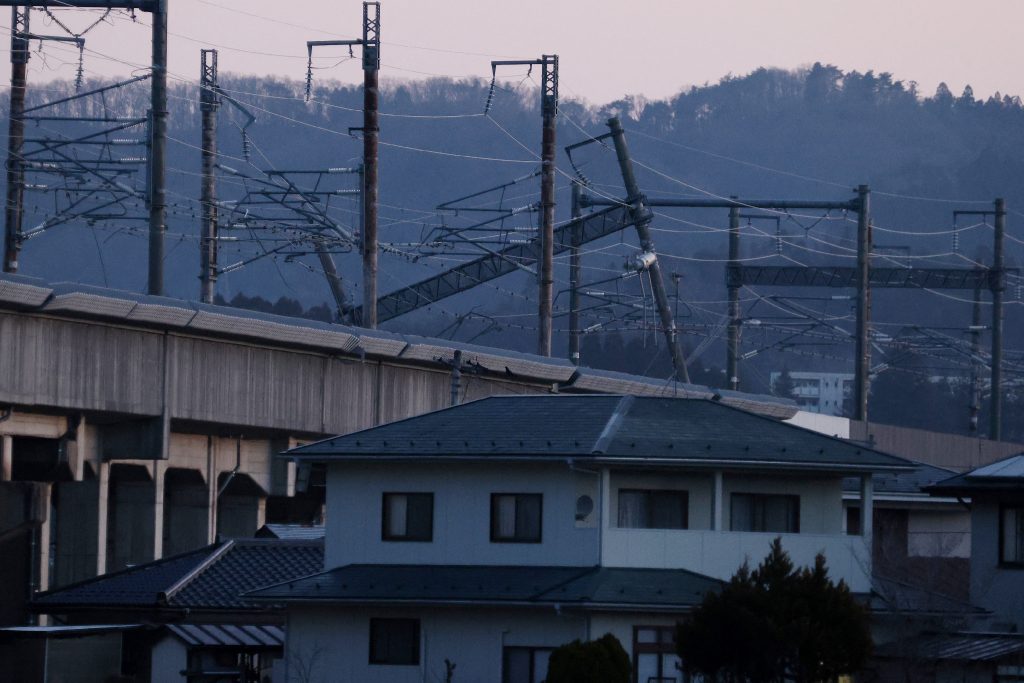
<point>545,243</point>
<point>638,204</point>
<point>368,246</point>
<point>209,102</point>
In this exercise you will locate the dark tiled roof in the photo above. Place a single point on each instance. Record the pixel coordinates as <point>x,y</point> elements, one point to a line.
<point>666,430</point>
<point>291,532</point>
<point>1003,475</point>
<point>213,577</point>
<point>956,647</point>
<point>912,482</point>
<point>581,586</point>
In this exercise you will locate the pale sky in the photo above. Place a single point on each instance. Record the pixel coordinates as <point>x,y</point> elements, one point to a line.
<point>607,48</point>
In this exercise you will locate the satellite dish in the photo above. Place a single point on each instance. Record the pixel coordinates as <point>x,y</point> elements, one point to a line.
<point>584,506</point>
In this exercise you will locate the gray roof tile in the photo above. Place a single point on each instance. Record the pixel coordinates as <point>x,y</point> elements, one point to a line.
<point>608,427</point>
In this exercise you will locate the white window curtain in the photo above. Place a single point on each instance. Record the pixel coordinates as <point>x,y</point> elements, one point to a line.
<point>506,509</point>
<point>397,508</point>
<point>633,512</point>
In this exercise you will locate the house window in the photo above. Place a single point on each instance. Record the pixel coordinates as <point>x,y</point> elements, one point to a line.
<point>394,641</point>
<point>642,509</point>
<point>525,664</point>
<point>764,512</point>
<point>408,517</point>
<point>515,517</point>
<point>1011,535</point>
<point>654,655</point>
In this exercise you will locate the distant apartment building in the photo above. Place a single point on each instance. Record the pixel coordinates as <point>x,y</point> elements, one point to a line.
<point>819,392</point>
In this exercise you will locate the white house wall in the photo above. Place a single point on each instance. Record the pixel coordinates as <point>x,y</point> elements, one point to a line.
<point>169,659</point>
<point>462,513</point>
<point>1000,589</point>
<point>335,643</point>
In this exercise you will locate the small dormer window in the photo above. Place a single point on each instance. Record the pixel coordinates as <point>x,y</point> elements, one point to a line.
<point>408,517</point>
<point>516,517</point>
<point>1011,535</point>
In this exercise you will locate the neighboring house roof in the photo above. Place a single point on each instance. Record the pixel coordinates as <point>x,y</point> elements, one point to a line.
<point>211,578</point>
<point>606,428</point>
<point>901,484</point>
<point>291,532</point>
<point>957,647</point>
<point>595,587</point>
<point>1003,475</point>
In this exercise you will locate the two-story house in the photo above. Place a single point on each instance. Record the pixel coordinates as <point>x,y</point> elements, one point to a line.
<point>485,535</point>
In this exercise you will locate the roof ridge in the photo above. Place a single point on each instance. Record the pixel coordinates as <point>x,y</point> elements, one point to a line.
<point>164,597</point>
<point>611,428</point>
<point>121,572</point>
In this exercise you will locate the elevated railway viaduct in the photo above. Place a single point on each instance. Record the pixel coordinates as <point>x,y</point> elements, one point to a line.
<point>135,427</point>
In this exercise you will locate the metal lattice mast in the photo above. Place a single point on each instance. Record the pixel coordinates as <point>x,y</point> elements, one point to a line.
<point>371,134</point>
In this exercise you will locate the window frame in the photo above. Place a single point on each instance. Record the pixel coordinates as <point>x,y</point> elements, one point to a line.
<point>495,538</point>
<point>684,493</point>
<point>418,636</point>
<point>764,497</point>
<point>384,518</point>
<point>1004,563</point>
<point>531,649</point>
<point>661,648</point>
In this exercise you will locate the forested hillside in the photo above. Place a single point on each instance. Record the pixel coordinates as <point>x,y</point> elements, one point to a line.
<point>815,133</point>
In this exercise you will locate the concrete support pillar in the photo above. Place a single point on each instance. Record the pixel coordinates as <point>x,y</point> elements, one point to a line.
<point>717,502</point>
<point>186,511</point>
<point>132,507</point>
<point>102,515</point>
<point>867,504</point>
<point>6,457</point>
<point>159,476</point>
<point>211,490</point>
<point>45,532</point>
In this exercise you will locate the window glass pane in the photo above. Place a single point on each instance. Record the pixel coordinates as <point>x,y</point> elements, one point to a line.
<point>540,664</point>
<point>780,514</point>
<point>647,667</point>
<point>632,509</point>
<point>668,510</point>
<point>394,641</point>
<point>741,513</point>
<point>1013,535</point>
<point>647,635</point>
<point>528,517</point>
<point>670,670</point>
<point>503,516</point>
<point>420,516</point>
<point>517,665</point>
<point>395,506</point>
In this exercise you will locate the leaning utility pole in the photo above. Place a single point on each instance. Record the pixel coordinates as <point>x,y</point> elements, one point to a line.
<point>16,137</point>
<point>862,361</point>
<point>546,246</point>
<point>209,102</point>
<point>637,201</point>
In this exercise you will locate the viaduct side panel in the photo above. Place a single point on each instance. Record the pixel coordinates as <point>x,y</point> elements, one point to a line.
<point>80,366</point>
<point>405,392</point>
<point>350,394</point>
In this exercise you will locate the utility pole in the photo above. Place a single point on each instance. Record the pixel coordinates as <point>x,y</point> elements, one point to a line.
<point>371,134</point>
<point>158,150</point>
<point>732,370</point>
<point>16,137</point>
<point>862,362</point>
<point>546,242</point>
<point>575,271</point>
<point>998,285</point>
<point>976,327</point>
<point>636,199</point>
<point>370,43</point>
<point>209,102</point>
